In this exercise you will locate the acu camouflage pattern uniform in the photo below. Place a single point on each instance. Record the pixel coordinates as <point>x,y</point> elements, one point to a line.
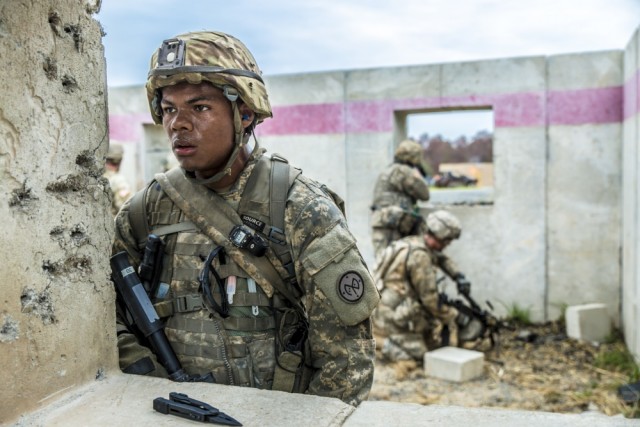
<point>242,349</point>
<point>120,188</point>
<point>397,190</point>
<point>409,316</point>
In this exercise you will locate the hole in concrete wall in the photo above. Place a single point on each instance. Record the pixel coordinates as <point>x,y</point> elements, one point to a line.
<point>69,84</point>
<point>50,68</point>
<point>9,330</point>
<point>76,34</point>
<point>88,161</point>
<point>21,197</point>
<point>458,148</point>
<point>68,183</point>
<point>79,235</point>
<point>81,263</point>
<point>38,304</point>
<point>55,22</point>
<point>50,267</point>
<point>56,231</point>
<point>100,374</point>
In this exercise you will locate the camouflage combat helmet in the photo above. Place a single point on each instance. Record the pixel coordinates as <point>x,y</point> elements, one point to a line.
<point>115,153</point>
<point>220,59</point>
<point>409,151</point>
<point>443,225</point>
<point>208,56</point>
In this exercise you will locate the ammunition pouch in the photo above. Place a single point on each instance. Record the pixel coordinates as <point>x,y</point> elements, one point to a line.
<point>396,218</point>
<point>292,372</point>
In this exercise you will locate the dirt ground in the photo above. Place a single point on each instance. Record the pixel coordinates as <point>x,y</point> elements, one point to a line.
<point>534,368</point>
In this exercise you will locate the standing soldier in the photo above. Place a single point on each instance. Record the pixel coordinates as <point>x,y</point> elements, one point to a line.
<point>261,282</point>
<point>409,315</point>
<point>120,188</point>
<point>398,189</point>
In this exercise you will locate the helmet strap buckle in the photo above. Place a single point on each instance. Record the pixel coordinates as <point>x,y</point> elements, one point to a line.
<point>230,92</point>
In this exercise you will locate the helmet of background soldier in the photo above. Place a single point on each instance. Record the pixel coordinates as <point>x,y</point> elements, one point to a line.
<point>443,225</point>
<point>115,153</point>
<point>409,151</point>
<point>213,57</point>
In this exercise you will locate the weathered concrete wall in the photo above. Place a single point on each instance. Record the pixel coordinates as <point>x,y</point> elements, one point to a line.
<point>631,196</point>
<point>56,311</point>
<point>584,112</point>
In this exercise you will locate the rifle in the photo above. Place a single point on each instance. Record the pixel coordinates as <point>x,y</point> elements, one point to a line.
<point>134,295</point>
<point>489,325</point>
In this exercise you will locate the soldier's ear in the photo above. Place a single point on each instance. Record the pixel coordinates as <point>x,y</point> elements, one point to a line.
<point>247,116</point>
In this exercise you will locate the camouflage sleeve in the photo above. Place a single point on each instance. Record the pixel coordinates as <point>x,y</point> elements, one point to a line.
<point>409,181</point>
<point>447,265</point>
<point>340,297</point>
<point>422,276</point>
<point>133,356</point>
<point>121,190</point>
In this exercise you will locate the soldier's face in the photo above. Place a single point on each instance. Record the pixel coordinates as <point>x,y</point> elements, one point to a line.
<point>199,122</point>
<point>434,243</point>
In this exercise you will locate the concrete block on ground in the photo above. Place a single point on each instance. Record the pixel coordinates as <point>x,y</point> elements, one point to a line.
<point>454,364</point>
<point>588,322</point>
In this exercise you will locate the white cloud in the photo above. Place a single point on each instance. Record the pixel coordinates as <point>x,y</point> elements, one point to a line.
<point>294,36</point>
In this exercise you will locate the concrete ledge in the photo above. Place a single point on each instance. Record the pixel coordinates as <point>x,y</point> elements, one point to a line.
<point>126,400</point>
<point>371,414</point>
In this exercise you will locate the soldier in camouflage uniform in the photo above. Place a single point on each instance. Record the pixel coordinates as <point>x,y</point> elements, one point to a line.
<point>261,285</point>
<point>120,188</point>
<point>409,316</point>
<point>399,187</point>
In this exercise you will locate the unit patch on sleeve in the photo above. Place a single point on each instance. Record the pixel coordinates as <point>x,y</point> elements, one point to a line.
<point>351,287</point>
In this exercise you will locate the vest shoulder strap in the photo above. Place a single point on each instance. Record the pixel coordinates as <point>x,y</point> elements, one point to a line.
<point>138,215</point>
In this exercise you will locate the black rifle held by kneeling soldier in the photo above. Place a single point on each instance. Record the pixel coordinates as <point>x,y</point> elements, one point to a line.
<point>487,325</point>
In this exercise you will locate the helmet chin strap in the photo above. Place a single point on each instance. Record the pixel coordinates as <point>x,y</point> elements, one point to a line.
<point>240,140</point>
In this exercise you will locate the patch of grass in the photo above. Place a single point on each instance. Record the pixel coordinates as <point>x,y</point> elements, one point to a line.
<point>616,357</point>
<point>562,306</point>
<point>518,315</point>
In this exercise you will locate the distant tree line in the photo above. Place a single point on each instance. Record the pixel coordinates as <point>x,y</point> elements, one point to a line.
<point>438,150</point>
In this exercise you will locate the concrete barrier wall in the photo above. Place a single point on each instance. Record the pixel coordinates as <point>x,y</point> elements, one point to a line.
<point>557,146</point>
<point>631,195</point>
<point>56,311</point>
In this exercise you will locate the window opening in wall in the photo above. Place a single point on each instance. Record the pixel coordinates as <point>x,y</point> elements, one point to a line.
<point>458,152</point>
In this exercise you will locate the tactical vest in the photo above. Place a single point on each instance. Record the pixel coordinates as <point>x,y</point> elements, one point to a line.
<point>396,290</point>
<point>392,208</point>
<point>385,194</point>
<point>262,343</point>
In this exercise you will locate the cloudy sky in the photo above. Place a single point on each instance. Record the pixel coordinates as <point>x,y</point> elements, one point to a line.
<point>289,36</point>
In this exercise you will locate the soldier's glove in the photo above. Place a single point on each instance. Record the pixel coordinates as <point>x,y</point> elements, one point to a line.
<point>464,286</point>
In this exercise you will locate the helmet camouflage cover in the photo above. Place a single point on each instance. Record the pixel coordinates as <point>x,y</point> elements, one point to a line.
<point>210,56</point>
<point>409,151</point>
<point>443,225</point>
<point>115,153</point>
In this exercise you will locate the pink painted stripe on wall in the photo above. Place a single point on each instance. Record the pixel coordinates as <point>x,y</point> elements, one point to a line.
<point>127,127</point>
<point>304,119</point>
<point>577,107</point>
<point>571,107</point>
